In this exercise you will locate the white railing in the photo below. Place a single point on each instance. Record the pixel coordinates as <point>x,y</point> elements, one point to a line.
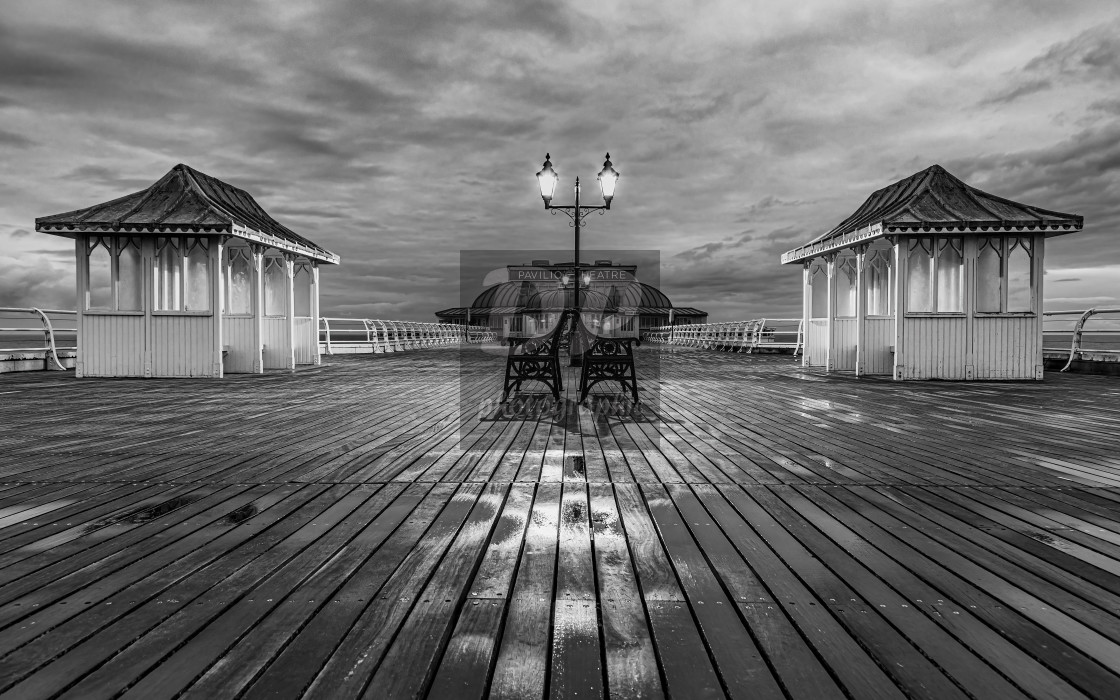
<point>1053,332</point>
<point>34,334</point>
<point>362,335</point>
<point>734,336</point>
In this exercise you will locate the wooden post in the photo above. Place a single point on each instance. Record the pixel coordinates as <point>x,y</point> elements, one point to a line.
<point>81,266</point>
<point>830,353</point>
<point>290,311</point>
<point>969,254</point>
<point>217,285</point>
<point>806,304</point>
<point>316,358</point>
<point>861,308</point>
<point>256,253</point>
<point>900,273</point>
<point>1038,271</point>
<point>149,274</point>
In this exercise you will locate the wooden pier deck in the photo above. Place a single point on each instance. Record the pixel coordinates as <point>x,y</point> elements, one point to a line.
<point>757,531</point>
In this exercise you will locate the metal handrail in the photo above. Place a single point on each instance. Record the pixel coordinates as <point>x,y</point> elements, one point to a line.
<point>47,329</point>
<point>1075,348</point>
<point>393,336</point>
<point>732,336</point>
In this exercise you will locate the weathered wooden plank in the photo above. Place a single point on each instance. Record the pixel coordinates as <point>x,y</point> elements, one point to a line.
<point>521,669</point>
<point>301,660</point>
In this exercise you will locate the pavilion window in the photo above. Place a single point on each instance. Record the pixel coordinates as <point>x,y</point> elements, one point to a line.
<point>1004,277</point>
<point>169,272</point>
<point>197,279</point>
<point>100,274</point>
<point>239,282</point>
<point>877,271</point>
<point>114,274</point>
<point>919,268</point>
<point>989,275</point>
<point>301,286</point>
<point>182,279</point>
<point>818,299</point>
<point>846,286</point>
<point>935,270</point>
<point>275,287</point>
<point>950,274</point>
<point>1019,256</point>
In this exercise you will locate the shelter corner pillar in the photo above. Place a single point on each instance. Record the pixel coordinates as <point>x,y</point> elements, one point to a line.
<point>806,305</point>
<point>290,311</point>
<point>899,309</point>
<point>257,256</point>
<point>830,353</point>
<point>316,358</point>
<point>861,309</point>
<point>217,296</point>
<point>81,267</point>
<point>1038,274</point>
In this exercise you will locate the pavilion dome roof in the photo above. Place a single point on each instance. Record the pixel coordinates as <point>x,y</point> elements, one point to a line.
<point>934,200</point>
<point>185,201</point>
<point>526,296</point>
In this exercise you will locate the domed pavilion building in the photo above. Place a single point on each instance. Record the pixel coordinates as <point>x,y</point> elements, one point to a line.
<point>611,300</point>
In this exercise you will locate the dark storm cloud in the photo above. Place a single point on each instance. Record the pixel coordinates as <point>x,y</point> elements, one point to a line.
<point>107,178</point>
<point>1092,56</point>
<point>1014,92</point>
<point>11,140</point>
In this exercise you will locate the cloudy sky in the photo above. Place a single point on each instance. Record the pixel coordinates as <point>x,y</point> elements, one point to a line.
<point>397,133</point>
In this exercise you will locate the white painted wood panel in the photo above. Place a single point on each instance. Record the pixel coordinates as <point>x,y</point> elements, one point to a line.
<point>306,342</point>
<point>183,346</point>
<point>844,344</point>
<point>112,345</point>
<point>277,342</point>
<point>816,343</point>
<point>1006,347</point>
<point>877,341</point>
<point>239,338</point>
<point>935,347</point>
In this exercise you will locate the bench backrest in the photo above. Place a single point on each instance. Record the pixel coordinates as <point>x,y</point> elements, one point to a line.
<point>546,344</point>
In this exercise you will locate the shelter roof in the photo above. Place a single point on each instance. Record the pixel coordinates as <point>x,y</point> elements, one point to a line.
<point>930,201</point>
<point>181,202</point>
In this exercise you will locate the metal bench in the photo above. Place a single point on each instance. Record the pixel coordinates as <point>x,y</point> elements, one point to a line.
<point>605,359</point>
<point>536,358</point>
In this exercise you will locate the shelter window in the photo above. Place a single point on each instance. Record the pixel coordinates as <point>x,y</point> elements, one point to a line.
<point>845,286</point>
<point>935,271</point>
<point>1004,277</point>
<point>182,281</point>
<point>239,282</point>
<point>114,274</point>
<point>275,287</point>
<point>877,270</point>
<point>301,285</point>
<point>818,281</point>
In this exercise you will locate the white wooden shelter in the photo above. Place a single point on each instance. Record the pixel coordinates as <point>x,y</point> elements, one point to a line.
<point>190,278</point>
<point>930,279</point>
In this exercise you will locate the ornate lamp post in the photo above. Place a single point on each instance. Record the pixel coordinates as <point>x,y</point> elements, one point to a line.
<point>547,177</point>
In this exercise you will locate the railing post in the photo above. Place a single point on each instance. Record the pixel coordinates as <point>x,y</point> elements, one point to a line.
<point>1075,344</point>
<point>327,334</point>
<point>48,335</point>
